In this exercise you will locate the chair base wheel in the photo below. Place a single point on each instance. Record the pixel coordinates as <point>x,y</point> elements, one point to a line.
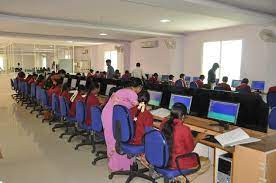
<point>94,163</point>
<point>110,176</point>
<point>76,148</point>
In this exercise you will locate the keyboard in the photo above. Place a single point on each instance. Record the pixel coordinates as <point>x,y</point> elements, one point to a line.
<point>211,138</point>
<point>161,112</point>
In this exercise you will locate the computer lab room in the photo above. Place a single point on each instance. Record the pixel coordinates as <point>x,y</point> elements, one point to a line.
<point>137,91</point>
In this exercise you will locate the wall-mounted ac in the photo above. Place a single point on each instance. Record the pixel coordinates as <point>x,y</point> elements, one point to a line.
<point>150,44</point>
<point>170,43</point>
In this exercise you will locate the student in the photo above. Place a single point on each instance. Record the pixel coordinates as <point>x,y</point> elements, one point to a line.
<point>75,98</point>
<point>138,72</point>
<point>117,74</point>
<point>65,92</point>
<point>181,81</point>
<point>55,89</point>
<point>171,82</point>
<point>90,73</point>
<point>154,79</point>
<point>33,79</point>
<point>142,117</point>
<point>110,69</point>
<point>91,100</point>
<point>224,84</point>
<point>180,139</point>
<point>244,87</point>
<point>126,76</point>
<point>199,82</point>
<point>212,75</point>
<point>40,81</point>
<point>272,89</point>
<point>97,74</point>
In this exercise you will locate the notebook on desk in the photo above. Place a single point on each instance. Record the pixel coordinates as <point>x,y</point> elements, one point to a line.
<point>161,112</point>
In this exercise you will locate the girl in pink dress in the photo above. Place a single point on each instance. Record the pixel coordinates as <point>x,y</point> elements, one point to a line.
<point>128,98</point>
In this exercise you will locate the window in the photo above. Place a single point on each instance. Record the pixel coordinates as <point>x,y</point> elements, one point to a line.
<point>1,63</point>
<point>44,62</point>
<point>112,55</point>
<point>227,54</point>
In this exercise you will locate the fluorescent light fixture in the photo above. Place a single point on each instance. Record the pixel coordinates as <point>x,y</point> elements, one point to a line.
<point>69,41</point>
<point>165,21</point>
<point>103,34</point>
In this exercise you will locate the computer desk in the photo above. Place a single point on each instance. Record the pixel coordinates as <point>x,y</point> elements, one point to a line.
<point>240,172</point>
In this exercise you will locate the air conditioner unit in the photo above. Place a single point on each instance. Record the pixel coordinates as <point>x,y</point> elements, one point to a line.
<point>150,44</point>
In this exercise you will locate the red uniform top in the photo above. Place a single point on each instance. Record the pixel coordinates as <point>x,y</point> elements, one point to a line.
<point>199,83</point>
<point>225,86</point>
<point>41,83</point>
<point>91,101</point>
<point>72,111</point>
<point>153,80</point>
<point>31,81</point>
<point>244,87</point>
<point>272,89</point>
<point>53,90</point>
<point>144,119</point>
<point>66,95</point>
<point>182,81</point>
<point>182,143</point>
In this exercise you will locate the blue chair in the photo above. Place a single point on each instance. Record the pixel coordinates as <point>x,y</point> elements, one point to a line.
<point>97,128</point>
<point>55,109</point>
<point>123,132</point>
<point>32,96</point>
<point>271,99</point>
<point>157,154</point>
<point>67,121</point>
<point>193,85</point>
<point>45,103</point>
<point>272,119</point>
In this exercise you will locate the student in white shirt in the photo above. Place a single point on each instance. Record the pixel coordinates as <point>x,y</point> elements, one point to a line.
<point>138,72</point>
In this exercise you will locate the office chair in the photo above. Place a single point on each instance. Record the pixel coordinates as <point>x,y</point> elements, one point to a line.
<point>272,119</point>
<point>157,154</point>
<point>45,103</point>
<point>55,109</point>
<point>271,99</point>
<point>66,120</point>
<point>193,84</point>
<point>32,96</point>
<point>37,107</point>
<point>123,132</point>
<point>97,128</point>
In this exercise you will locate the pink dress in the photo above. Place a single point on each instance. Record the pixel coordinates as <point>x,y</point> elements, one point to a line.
<point>129,99</point>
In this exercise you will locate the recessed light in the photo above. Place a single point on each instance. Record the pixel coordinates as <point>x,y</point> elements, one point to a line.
<point>51,46</point>
<point>70,41</point>
<point>103,34</point>
<point>165,20</point>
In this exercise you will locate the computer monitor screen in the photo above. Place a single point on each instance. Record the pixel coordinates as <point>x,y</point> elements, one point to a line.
<point>195,78</point>
<point>187,79</point>
<point>65,80</point>
<point>108,87</point>
<point>223,111</point>
<point>258,85</point>
<point>165,78</point>
<point>155,98</point>
<point>73,83</point>
<point>83,82</point>
<point>236,83</point>
<point>217,81</point>
<point>186,100</point>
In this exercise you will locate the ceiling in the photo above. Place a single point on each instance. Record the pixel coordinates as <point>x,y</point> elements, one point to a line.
<point>125,20</point>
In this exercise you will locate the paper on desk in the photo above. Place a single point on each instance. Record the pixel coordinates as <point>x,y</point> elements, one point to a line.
<point>161,112</point>
<point>235,137</point>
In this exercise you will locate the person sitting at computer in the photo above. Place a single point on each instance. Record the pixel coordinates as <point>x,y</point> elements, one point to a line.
<point>33,79</point>
<point>65,92</point>
<point>171,82</point>
<point>244,87</point>
<point>142,117</point>
<point>181,81</point>
<point>117,74</point>
<point>78,96</point>
<point>154,79</point>
<point>91,100</point>
<point>126,76</point>
<point>90,73</point>
<point>180,140</point>
<point>224,84</point>
<point>40,81</point>
<point>199,82</point>
<point>54,89</point>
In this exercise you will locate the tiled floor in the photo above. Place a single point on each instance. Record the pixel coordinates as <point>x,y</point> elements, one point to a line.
<point>34,154</point>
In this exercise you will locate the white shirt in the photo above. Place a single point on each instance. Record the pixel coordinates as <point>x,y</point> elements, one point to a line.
<point>137,73</point>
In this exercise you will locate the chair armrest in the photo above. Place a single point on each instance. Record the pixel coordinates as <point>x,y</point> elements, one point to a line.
<point>193,154</point>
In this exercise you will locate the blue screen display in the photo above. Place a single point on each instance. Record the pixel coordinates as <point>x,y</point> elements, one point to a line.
<point>155,98</point>
<point>165,78</point>
<point>258,85</point>
<point>187,78</point>
<point>195,78</point>
<point>236,83</point>
<point>223,111</point>
<point>186,100</point>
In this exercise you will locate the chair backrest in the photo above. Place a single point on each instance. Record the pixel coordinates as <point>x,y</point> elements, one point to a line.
<point>15,83</point>
<point>219,88</point>
<point>80,112</point>
<point>64,106</point>
<point>37,93</point>
<point>272,119</point>
<point>271,99</point>
<point>44,97</point>
<point>193,84</point>
<point>55,103</point>
<point>123,125</point>
<point>12,84</point>
<point>156,148</point>
<point>96,118</point>
<point>33,92</point>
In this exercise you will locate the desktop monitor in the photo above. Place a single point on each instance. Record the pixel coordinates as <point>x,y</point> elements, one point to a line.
<point>155,98</point>
<point>186,100</point>
<point>258,85</point>
<point>223,111</point>
<point>65,80</point>
<point>165,78</point>
<point>83,82</point>
<point>74,83</point>
<point>195,78</point>
<point>108,87</point>
<point>217,81</point>
<point>236,83</point>
<point>187,79</point>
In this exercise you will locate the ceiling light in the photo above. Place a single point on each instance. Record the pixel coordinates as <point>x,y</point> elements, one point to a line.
<point>103,34</point>
<point>70,41</point>
<point>165,21</point>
